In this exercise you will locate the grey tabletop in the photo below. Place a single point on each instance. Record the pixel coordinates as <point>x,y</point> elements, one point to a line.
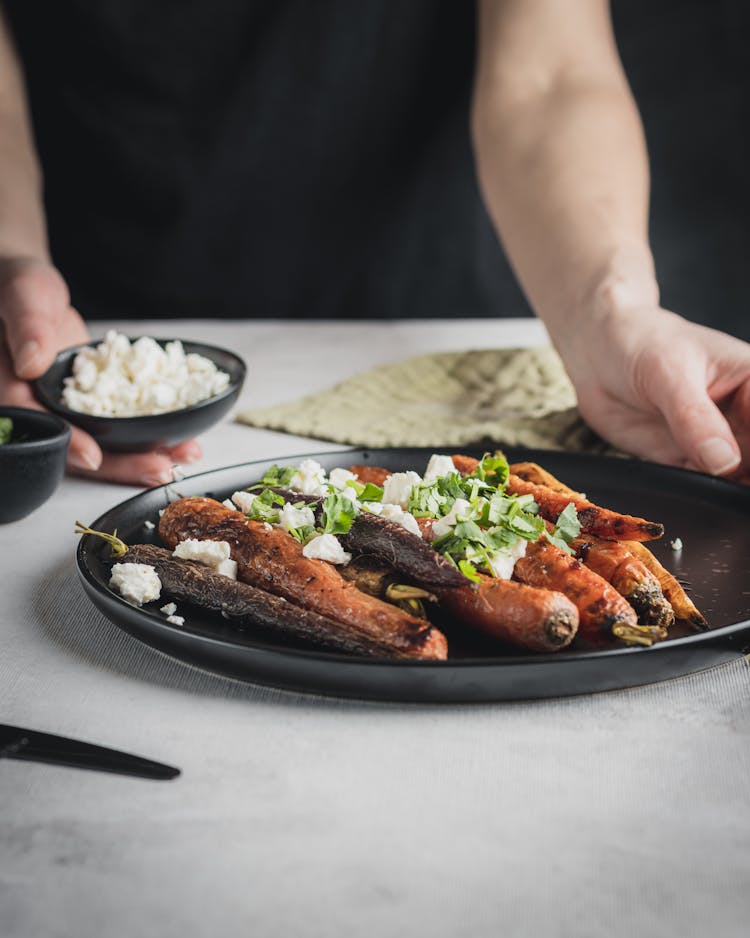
<point>615,814</point>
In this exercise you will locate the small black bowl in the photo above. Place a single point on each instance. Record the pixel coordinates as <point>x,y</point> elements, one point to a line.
<point>33,463</point>
<point>140,434</point>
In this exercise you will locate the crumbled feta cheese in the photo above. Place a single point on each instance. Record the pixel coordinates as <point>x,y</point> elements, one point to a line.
<point>117,379</point>
<point>291,517</point>
<point>438,466</point>
<point>397,487</point>
<point>459,510</point>
<point>214,554</point>
<point>227,568</point>
<point>396,514</point>
<point>149,525</point>
<point>676,544</point>
<point>326,547</point>
<point>502,564</point>
<point>176,620</point>
<point>339,477</point>
<point>136,582</point>
<point>268,526</point>
<point>243,500</point>
<point>169,610</point>
<point>210,553</point>
<point>309,479</point>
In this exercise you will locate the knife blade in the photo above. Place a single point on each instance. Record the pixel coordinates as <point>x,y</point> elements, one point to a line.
<point>33,746</point>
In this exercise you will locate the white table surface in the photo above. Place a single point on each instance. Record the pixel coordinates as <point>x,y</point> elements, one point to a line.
<point>616,814</point>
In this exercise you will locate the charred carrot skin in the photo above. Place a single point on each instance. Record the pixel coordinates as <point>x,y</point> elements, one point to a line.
<point>629,576</point>
<point>241,603</point>
<point>535,619</point>
<point>600,606</point>
<point>272,560</point>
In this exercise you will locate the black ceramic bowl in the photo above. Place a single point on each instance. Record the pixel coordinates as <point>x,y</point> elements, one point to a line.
<point>140,434</point>
<point>33,463</point>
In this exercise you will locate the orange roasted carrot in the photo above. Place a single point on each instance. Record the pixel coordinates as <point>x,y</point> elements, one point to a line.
<point>269,558</point>
<point>533,472</point>
<point>614,562</point>
<point>601,522</point>
<point>375,475</point>
<point>684,608</point>
<point>603,613</point>
<point>535,619</point>
<point>594,520</point>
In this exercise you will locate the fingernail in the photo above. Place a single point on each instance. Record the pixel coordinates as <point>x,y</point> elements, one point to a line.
<point>192,453</point>
<point>718,456</point>
<point>26,355</point>
<point>87,462</point>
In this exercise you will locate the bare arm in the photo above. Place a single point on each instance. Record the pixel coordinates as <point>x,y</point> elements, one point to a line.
<point>35,313</point>
<point>563,168</point>
<point>22,227</point>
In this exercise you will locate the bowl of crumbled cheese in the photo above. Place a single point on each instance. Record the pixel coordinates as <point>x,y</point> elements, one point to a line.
<point>133,395</point>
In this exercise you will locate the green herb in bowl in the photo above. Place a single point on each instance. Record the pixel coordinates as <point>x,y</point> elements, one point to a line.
<point>6,430</point>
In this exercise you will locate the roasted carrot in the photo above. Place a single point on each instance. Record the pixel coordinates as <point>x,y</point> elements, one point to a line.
<point>603,613</point>
<point>242,604</point>
<point>601,522</point>
<point>464,464</point>
<point>551,501</point>
<point>613,561</point>
<point>376,475</point>
<point>535,619</point>
<point>684,608</point>
<point>269,558</point>
<point>533,472</point>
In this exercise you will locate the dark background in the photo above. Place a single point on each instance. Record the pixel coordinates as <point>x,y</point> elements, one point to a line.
<point>688,62</point>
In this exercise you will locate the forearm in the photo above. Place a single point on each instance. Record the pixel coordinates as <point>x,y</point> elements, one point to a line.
<point>564,173</point>
<point>22,224</point>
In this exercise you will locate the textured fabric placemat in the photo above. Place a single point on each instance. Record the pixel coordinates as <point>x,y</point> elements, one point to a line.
<point>521,397</point>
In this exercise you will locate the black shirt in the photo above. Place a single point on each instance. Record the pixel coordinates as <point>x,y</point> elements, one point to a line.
<point>296,158</point>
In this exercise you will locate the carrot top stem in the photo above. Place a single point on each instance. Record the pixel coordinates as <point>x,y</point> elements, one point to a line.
<point>638,634</point>
<point>119,547</point>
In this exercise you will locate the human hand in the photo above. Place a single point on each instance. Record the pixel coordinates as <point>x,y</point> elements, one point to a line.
<point>38,321</point>
<point>658,386</point>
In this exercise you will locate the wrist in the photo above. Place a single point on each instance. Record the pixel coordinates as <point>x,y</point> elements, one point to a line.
<point>624,283</point>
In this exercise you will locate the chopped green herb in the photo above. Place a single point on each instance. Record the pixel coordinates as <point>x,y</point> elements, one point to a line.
<point>492,468</point>
<point>338,514</point>
<point>567,528</point>
<point>366,493</point>
<point>265,507</point>
<point>6,430</point>
<point>277,476</point>
<point>469,571</point>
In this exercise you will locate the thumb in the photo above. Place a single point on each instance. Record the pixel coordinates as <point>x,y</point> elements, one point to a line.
<point>34,298</point>
<point>698,427</point>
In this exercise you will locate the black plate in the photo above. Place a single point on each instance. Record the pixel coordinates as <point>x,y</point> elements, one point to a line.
<point>711,517</point>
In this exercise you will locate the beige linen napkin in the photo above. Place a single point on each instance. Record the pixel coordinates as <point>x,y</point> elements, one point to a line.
<point>520,397</point>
